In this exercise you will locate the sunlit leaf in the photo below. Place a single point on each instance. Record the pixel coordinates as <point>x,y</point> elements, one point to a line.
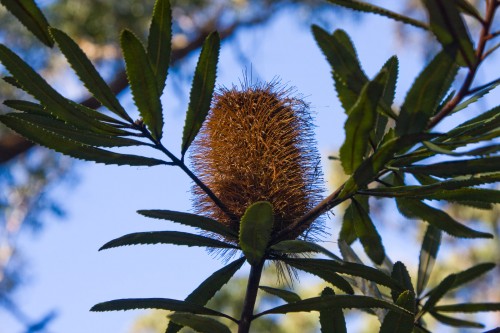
<point>166,237</point>
<point>143,82</point>
<point>255,230</point>
<point>331,320</point>
<point>28,13</point>
<point>286,295</point>
<point>88,74</point>
<point>192,220</point>
<point>423,98</point>
<point>199,323</point>
<point>156,303</point>
<point>369,8</point>
<point>427,258</point>
<point>301,246</point>
<point>159,41</point>
<point>397,322</point>
<point>201,90</point>
<point>455,322</point>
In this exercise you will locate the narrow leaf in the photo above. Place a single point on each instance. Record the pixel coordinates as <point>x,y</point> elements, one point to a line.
<point>286,295</point>
<point>143,83</point>
<point>334,302</point>
<point>166,237</point>
<point>478,94</point>
<point>424,96</point>
<point>347,232</point>
<point>199,323</point>
<point>428,254</point>
<point>255,230</point>
<point>192,220</point>
<point>301,246</point>
<point>457,168</point>
<point>331,320</point>
<point>369,8</point>
<point>26,106</point>
<point>30,15</point>
<point>201,90</point>
<point>360,122</point>
<point>397,322</point>
<point>400,274</point>
<point>157,303</point>
<point>455,322</point>
<point>468,307</point>
<point>472,274</point>
<point>72,148</point>
<point>467,8</point>
<point>207,289</point>
<point>437,293</point>
<point>159,41</point>
<point>88,73</point>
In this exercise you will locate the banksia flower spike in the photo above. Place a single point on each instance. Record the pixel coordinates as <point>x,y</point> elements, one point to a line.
<point>257,145</point>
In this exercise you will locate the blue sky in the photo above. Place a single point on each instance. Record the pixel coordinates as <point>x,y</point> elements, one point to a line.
<point>67,272</point>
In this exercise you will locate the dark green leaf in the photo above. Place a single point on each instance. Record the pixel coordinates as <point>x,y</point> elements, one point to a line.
<point>468,8</point>
<point>28,13</point>
<point>28,107</point>
<point>201,90</point>
<point>369,8</point>
<point>347,232</point>
<point>143,83</point>
<point>456,168</point>
<point>334,302</point>
<point>367,233</point>
<point>428,254</point>
<point>477,95</point>
<point>192,220</point>
<point>286,295</point>
<point>455,322</point>
<point>73,148</point>
<point>199,323</point>
<point>472,273</point>
<point>322,269</point>
<point>481,151</point>
<point>360,122</point>
<point>156,303</point>
<point>468,307</point>
<point>450,29</point>
<point>331,320</point>
<point>400,274</point>
<point>425,94</point>
<point>255,230</point>
<point>437,293</point>
<point>88,74</point>
<point>301,246</point>
<point>159,41</point>
<point>207,289</point>
<point>413,208</point>
<point>397,322</point>
<point>166,237</point>
<point>350,268</point>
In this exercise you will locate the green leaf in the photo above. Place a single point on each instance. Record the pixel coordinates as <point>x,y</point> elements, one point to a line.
<point>322,269</point>
<point>199,323</point>
<point>159,41</point>
<point>468,307</point>
<point>467,8</point>
<point>367,233</point>
<point>481,151</point>
<point>424,96</point>
<point>201,90</point>
<point>88,74</point>
<point>456,168</point>
<point>72,148</point>
<point>28,13</point>
<point>71,133</point>
<point>397,322</point>
<point>477,95</point>
<point>437,293</point>
<point>157,303</point>
<point>400,274</point>
<point>330,266</point>
<point>56,104</point>
<point>428,254</point>
<point>413,208</point>
<point>255,230</point>
<point>166,237</point>
<point>472,273</point>
<point>334,302</point>
<point>207,289</point>
<point>347,232</point>
<point>192,220</point>
<point>450,29</point>
<point>286,295</point>
<point>331,320</point>
<point>301,246</point>
<point>455,322</point>
<point>360,122</point>
<point>484,122</point>
<point>369,8</point>
<point>143,83</point>
<point>28,107</point>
